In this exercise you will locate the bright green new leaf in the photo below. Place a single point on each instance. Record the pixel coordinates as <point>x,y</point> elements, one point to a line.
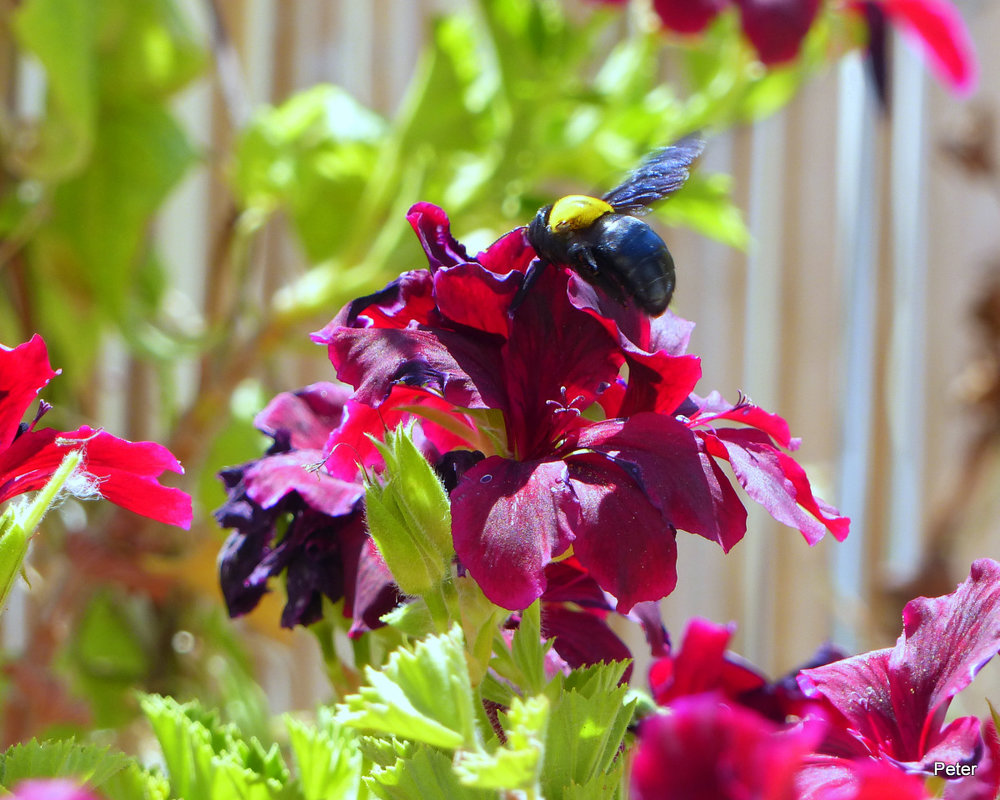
<point>327,756</point>
<point>421,694</point>
<point>705,205</point>
<point>115,775</point>
<point>424,774</point>
<point>517,764</point>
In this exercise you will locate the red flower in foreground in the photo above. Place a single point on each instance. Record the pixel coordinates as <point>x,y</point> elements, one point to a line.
<point>523,387</point>
<point>892,703</point>
<point>123,472</point>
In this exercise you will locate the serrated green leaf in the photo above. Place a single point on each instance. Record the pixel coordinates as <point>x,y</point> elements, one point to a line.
<point>587,725</point>
<point>515,765</point>
<point>115,775</point>
<point>207,759</point>
<point>425,773</point>
<point>528,650</point>
<point>327,756</point>
<point>422,694</point>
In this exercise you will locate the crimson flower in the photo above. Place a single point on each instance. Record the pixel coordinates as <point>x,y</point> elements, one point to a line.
<point>522,387</point>
<point>123,472</point>
<point>891,704</point>
<point>291,516</point>
<point>706,749</point>
<point>777,28</point>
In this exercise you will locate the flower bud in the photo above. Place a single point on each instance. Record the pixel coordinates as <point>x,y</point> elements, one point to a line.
<point>409,515</point>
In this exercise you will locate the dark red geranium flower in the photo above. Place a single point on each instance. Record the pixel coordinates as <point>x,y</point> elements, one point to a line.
<point>323,547</point>
<point>688,16</point>
<point>776,28</point>
<point>708,749</point>
<point>518,382</point>
<point>126,473</point>
<point>892,703</point>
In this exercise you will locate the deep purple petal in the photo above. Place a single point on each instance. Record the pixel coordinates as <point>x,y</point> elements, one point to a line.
<point>583,638</point>
<point>433,228</point>
<point>622,539</point>
<point>777,482</point>
<point>460,368</point>
<point>566,581</point>
<point>679,478</point>
<point>509,518</point>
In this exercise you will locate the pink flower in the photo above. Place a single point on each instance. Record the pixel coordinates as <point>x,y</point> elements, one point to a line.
<point>51,789</point>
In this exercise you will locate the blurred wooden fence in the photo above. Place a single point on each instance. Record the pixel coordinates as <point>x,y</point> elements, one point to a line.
<point>850,314</point>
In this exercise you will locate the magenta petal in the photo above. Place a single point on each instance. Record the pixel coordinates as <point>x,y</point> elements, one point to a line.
<point>896,699</point>
<point>273,477</point>
<point>510,252</point>
<point>777,482</point>
<point>434,231</point>
<point>622,539</point>
<point>684,482</point>
<point>830,778</point>
<point>715,407</point>
<point>51,789</point>
<point>24,370</point>
<point>509,518</point>
<point>306,416</point>
<point>472,296</point>
<point>938,27</point>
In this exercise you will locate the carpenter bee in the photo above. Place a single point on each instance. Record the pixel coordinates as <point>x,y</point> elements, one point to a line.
<point>602,241</point>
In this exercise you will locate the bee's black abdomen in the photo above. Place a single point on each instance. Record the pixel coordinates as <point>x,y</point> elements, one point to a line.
<point>632,255</point>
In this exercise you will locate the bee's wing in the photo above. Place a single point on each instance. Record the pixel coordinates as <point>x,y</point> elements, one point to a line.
<point>662,173</point>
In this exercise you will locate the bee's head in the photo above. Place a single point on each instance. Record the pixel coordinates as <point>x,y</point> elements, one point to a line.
<point>576,212</point>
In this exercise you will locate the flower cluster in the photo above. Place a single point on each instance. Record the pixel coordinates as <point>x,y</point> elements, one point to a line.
<point>573,422</point>
<point>126,473</point>
<point>776,28</point>
<point>860,728</point>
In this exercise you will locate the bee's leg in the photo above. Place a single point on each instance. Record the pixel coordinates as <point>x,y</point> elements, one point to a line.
<point>531,276</point>
<point>585,265</point>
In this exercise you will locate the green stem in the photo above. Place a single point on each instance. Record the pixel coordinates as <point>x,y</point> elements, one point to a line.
<point>437,604</point>
<point>17,525</point>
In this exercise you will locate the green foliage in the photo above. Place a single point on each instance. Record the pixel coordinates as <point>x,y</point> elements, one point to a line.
<point>327,757</point>
<point>114,775</point>
<point>205,758</point>
<point>423,694</point>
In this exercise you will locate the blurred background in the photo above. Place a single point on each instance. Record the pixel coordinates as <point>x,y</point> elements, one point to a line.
<point>190,187</point>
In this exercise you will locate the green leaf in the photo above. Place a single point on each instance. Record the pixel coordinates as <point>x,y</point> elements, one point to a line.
<point>314,156</point>
<point>147,49</point>
<point>421,694</point>
<point>426,773</point>
<point>207,759</point>
<point>115,775</point>
<point>515,765</point>
<point>61,34</point>
<point>327,756</point>
<point>589,718</point>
